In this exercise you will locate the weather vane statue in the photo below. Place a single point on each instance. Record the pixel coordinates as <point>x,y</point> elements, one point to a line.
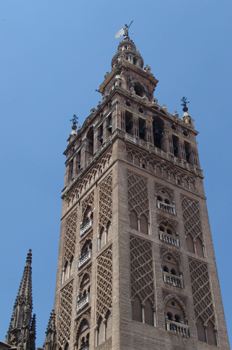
<point>124,31</point>
<point>184,104</point>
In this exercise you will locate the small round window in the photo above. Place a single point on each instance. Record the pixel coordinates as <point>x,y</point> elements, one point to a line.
<point>173,304</point>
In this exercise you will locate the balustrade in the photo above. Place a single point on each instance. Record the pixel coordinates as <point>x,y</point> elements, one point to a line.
<point>85,347</point>
<point>84,258</point>
<point>178,328</point>
<point>176,281</point>
<point>166,237</point>
<point>86,227</point>
<point>83,302</point>
<point>169,208</point>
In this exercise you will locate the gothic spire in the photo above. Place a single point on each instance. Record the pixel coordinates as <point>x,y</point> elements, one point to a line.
<point>50,339</point>
<point>20,325</point>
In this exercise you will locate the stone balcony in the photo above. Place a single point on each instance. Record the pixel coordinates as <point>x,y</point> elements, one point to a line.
<point>177,328</point>
<point>85,258</point>
<point>174,280</point>
<point>85,347</point>
<point>168,208</point>
<point>167,238</point>
<point>84,228</point>
<point>83,302</point>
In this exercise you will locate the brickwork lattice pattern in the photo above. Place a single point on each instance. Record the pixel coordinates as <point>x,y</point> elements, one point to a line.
<point>138,194</point>
<point>191,215</point>
<point>104,283</point>
<point>202,298</point>
<point>142,281</point>
<point>70,236</point>
<point>105,202</point>
<point>65,315</point>
<point>101,165</point>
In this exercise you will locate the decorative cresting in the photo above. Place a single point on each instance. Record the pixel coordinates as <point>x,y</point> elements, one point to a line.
<point>70,236</point>
<point>105,201</point>
<point>104,283</point>
<point>160,167</point>
<point>95,171</point>
<point>65,314</point>
<point>138,194</point>
<point>191,215</point>
<point>202,298</point>
<point>142,281</point>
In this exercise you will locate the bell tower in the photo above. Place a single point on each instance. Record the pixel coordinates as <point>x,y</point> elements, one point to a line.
<point>136,266</point>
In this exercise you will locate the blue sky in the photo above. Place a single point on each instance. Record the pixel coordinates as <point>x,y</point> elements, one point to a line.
<point>54,54</point>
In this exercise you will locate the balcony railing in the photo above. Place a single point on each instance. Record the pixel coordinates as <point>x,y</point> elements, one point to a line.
<point>169,208</point>
<point>86,257</point>
<point>85,347</point>
<point>166,237</point>
<point>176,281</point>
<point>84,228</point>
<point>83,302</point>
<point>178,328</point>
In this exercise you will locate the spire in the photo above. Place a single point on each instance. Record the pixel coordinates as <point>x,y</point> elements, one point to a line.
<point>50,338</point>
<point>20,325</point>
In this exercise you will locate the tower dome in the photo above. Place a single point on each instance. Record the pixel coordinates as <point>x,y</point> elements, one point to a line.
<point>127,51</point>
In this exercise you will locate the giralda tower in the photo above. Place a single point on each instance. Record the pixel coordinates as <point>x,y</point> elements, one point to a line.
<point>136,267</point>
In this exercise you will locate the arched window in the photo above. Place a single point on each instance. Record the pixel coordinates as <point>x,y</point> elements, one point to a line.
<point>211,334</point>
<point>137,309</point>
<point>133,220</point>
<point>100,331</point>
<point>144,224</point>
<point>89,146</point>
<point>189,243</point>
<point>108,325</point>
<point>148,313</point>
<point>200,330</point>
<point>158,132</point>
<point>199,247</point>
<point>109,231</point>
<point>83,334</point>
<point>102,238</point>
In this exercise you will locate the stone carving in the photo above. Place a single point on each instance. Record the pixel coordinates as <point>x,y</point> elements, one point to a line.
<point>202,299</point>
<point>64,320</point>
<point>70,236</point>
<point>142,280</point>
<point>175,254</point>
<point>104,283</point>
<point>191,215</point>
<point>168,294</point>
<point>138,194</point>
<point>159,187</point>
<point>105,202</point>
<point>166,221</point>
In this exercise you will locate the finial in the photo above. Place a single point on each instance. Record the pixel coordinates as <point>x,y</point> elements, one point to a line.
<point>124,31</point>
<point>75,121</point>
<point>29,258</point>
<point>184,104</point>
